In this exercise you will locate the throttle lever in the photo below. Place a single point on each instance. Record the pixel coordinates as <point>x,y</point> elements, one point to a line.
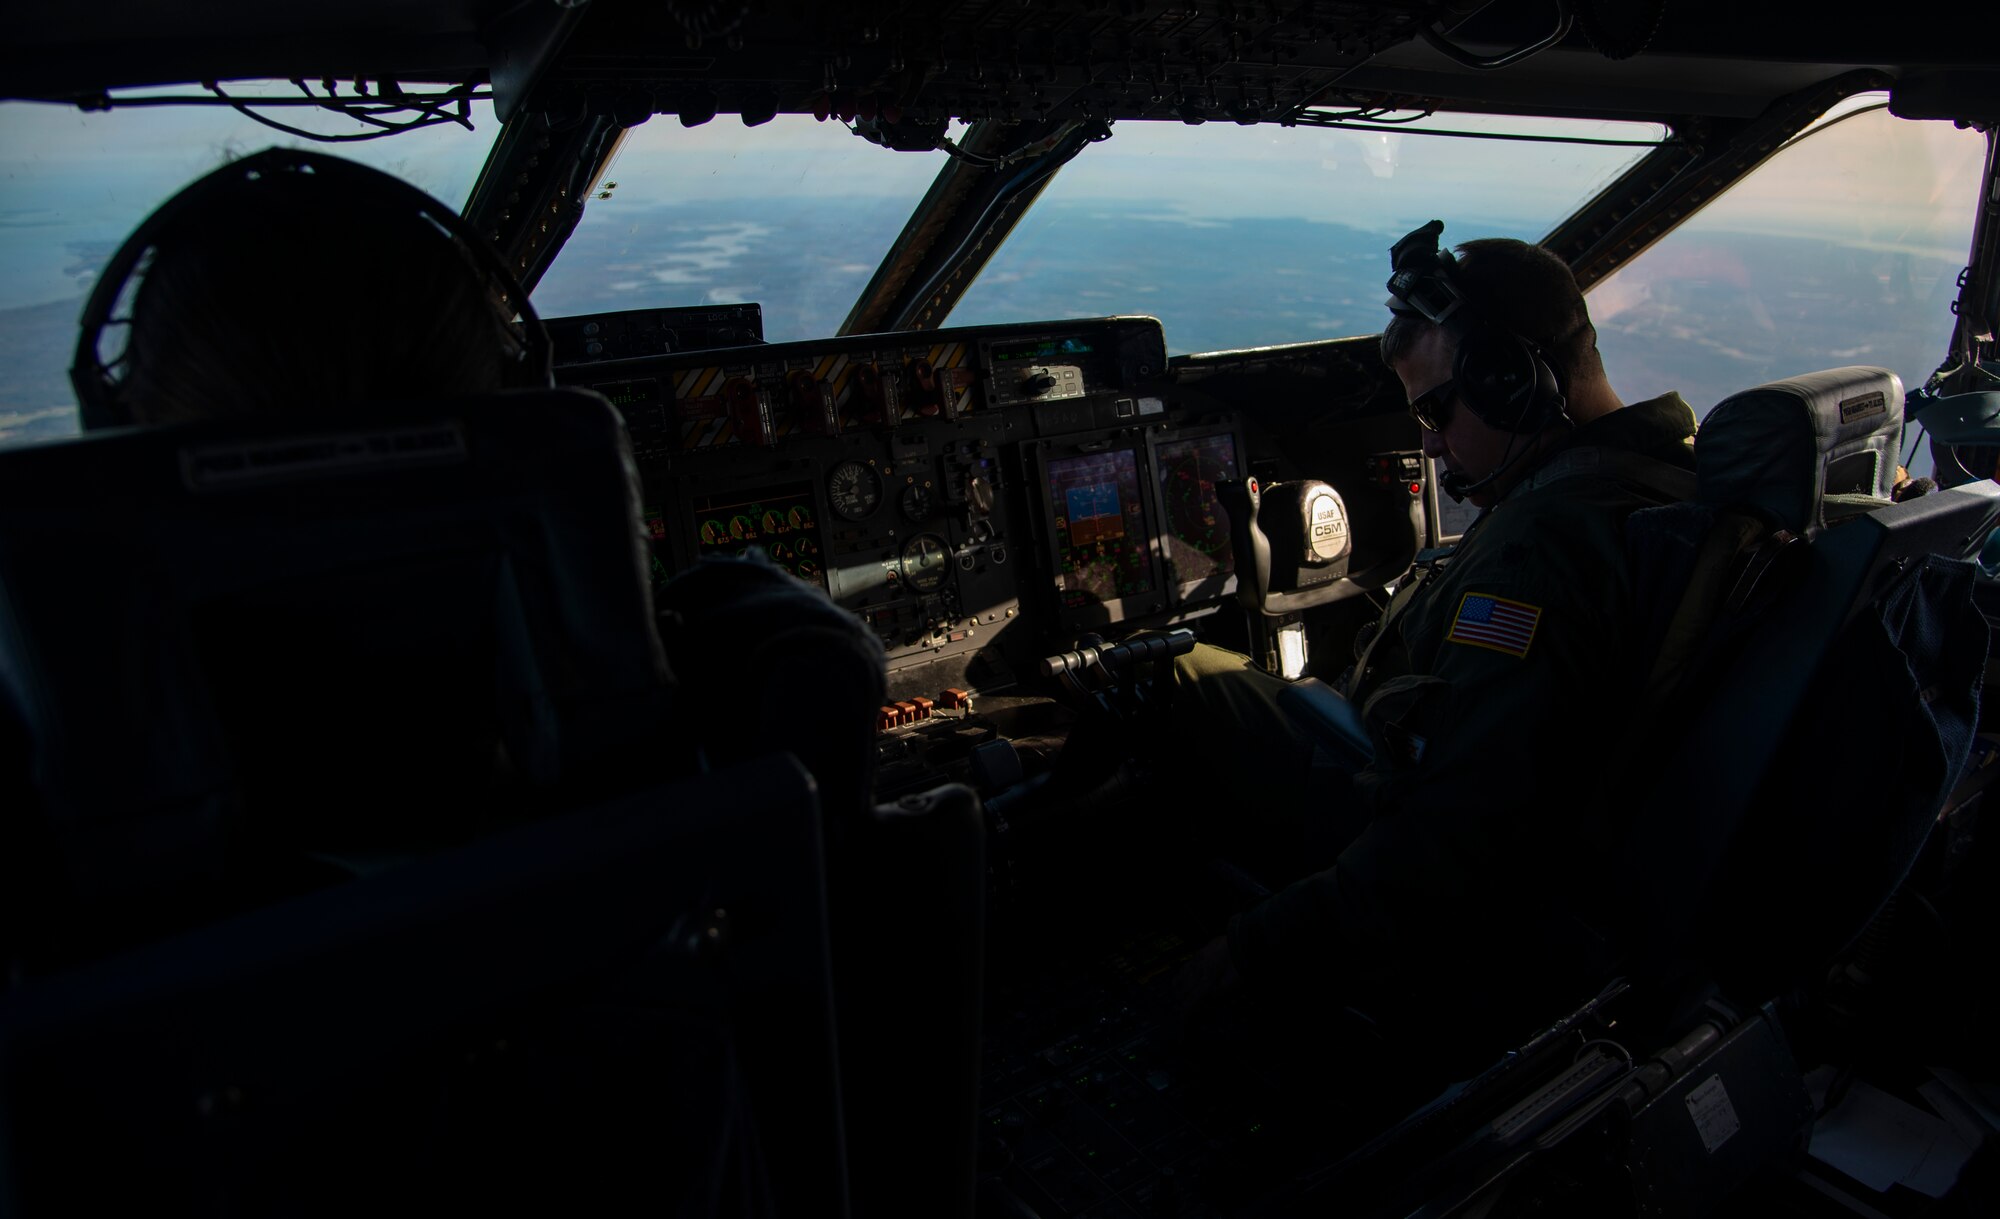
<point>1092,666</point>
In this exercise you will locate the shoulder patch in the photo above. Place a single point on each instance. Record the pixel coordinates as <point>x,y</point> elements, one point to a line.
<point>1486,621</point>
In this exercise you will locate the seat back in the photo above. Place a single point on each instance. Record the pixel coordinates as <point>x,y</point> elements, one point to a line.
<point>1868,687</point>
<point>613,1011</point>
<point>1776,464</point>
<point>1825,614</point>
<point>230,644</point>
<point>768,659</point>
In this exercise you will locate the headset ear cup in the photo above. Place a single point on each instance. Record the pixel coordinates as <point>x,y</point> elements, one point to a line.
<point>1550,403</point>
<point>1505,382</point>
<point>96,406</point>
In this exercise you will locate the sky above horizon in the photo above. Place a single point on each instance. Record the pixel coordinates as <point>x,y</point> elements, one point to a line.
<point>1231,235</point>
<point>72,184</point>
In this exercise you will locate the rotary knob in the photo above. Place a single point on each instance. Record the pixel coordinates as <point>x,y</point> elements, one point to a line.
<point>978,497</point>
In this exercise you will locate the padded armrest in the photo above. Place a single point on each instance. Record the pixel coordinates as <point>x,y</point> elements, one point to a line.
<point>1333,722</point>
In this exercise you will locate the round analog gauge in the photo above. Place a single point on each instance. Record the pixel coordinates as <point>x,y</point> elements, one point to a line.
<point>773,523</point>
<point>854,490</point>
<point>800,516</point>
<point>714,533</point>
<point>925,559</point>
<point>915,503</point>
<point>742,528</point>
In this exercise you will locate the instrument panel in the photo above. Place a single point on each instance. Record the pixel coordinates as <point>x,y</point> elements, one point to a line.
<point>976,496</point>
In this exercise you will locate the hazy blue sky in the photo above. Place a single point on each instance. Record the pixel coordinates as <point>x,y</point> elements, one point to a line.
<point>72,185</point>
<point>1231,235</point>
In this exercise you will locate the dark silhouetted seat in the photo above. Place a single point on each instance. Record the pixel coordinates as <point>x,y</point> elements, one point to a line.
<point>620,1010</point>
<point>1817,712</point>
<point>766,662</point>
<point>252,660</point>
<point>309,710</point>
<point>247,657</point>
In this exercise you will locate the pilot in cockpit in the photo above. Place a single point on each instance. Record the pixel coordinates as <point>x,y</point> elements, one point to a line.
<point>292,283</point>
<point>1495,684</point>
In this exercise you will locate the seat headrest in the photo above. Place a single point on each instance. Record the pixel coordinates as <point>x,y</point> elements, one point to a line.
<point>1794,448</point>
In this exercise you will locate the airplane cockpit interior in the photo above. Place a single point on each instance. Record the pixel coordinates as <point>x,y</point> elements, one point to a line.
<point>741,758</point>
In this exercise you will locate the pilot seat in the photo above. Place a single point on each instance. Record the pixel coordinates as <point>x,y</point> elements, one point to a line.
<point>360,797</point>
<point>254,657</point>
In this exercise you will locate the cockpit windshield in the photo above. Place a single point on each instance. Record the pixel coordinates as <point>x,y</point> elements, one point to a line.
<point>1239,237</point>
<point>794,214</point>
<point>73,185</point>
<point>1844,249</point>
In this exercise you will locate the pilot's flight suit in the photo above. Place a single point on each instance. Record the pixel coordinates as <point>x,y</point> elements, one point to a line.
<point>1496,693</point>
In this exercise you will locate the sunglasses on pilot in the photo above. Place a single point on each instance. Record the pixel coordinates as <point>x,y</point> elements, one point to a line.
<point>1432,408</point>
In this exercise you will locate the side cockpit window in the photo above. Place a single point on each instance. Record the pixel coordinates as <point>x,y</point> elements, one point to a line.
<point>73,185</point>
<point>1843,248</point>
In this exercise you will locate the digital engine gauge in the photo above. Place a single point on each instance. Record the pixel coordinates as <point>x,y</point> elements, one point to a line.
<point>854,490</point>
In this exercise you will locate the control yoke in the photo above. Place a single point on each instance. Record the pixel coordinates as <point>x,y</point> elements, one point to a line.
<point>1292,542</point>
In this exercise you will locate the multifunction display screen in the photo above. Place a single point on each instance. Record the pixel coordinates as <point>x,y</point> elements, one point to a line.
<point>630,393</point>
<point>779,521</point>
<point>1041,351</point>
<point>1197,541</point>
<point>1102,542</point>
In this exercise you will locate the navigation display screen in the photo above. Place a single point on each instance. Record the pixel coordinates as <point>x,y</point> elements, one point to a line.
<point>1197,541</point>
<point>1041,350</point>
<point>622,394</point>
<point>1102,542</point>
<point>779,521</point>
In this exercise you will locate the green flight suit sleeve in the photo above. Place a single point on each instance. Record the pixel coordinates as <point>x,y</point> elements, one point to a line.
<point>1485,763</point>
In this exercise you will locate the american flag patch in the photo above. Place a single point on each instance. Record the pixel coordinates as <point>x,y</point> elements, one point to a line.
<point>1486,621</point>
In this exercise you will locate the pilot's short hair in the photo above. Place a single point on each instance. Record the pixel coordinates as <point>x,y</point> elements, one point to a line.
<point>1528,290</point>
